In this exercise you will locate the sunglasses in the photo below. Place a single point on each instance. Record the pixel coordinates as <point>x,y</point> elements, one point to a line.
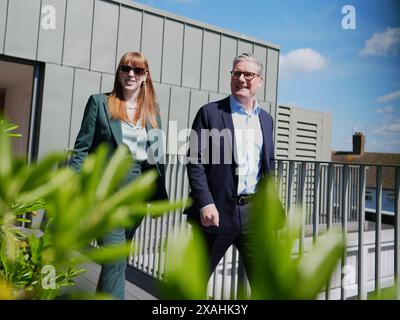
<point>136,70</point>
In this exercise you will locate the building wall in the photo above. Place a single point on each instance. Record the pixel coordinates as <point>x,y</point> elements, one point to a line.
<point>189,60</point>
<point>303,134</point>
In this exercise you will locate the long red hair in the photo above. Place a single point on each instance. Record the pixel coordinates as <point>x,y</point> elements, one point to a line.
<point>146,100</point>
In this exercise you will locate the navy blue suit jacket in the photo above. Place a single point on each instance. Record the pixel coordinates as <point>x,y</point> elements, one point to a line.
<point>217,182</point>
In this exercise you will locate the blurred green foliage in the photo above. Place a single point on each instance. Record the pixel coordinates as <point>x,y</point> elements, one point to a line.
<point>79,208</point>
<point>279,272</point>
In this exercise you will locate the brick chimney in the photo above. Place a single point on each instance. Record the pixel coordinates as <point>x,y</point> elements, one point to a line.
<point>358,143</point>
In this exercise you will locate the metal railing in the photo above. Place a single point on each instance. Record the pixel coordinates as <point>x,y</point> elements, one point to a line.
<point>329,194</point>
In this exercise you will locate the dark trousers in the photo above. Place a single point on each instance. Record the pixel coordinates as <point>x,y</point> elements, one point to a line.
<point>218,243</point>
<point>112,275</point>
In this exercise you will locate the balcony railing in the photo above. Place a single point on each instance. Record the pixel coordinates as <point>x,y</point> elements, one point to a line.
<point>329,194</point>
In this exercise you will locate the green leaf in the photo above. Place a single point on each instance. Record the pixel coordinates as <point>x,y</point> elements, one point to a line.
<point>317,265</point>
<point>109,253</point>
<point>186,268</point>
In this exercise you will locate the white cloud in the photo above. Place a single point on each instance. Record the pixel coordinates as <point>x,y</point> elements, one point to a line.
<point>389,128</point>
<point>389,97</point>
<point>383,44</point>
<point>380,145</point>
<point>387,109</point>
<point>304,60</point>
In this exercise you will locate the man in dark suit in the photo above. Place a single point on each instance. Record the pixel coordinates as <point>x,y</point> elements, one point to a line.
<point>230,151</point>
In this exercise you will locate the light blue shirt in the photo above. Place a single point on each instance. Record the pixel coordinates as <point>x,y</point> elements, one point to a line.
<point>248,145</point>
<point>135,137</point>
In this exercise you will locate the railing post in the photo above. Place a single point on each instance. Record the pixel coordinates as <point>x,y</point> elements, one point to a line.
<point>302,206</point>
<point>330,196</point>
<point>290,187</point>
<point>329,218</point>
<point>345,203</point>
<point>361,221</point>
<point>378,222</point>
<point>317,172</point>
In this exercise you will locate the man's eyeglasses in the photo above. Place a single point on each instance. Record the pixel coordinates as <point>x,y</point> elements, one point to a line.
<point>136,70</point>
<point>247,75</point>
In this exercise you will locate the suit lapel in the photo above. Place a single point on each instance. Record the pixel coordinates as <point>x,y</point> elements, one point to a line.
<point>114,124</point>
<point>228,124</point>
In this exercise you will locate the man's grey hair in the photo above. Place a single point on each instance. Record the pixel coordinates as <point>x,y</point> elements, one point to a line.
<point>248,57</point>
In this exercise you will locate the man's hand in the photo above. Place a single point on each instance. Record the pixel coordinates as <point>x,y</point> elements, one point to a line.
<point>209,216</point>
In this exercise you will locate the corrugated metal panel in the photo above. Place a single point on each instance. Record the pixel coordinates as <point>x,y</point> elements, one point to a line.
<point>178,119</point>
<point>197,100</point>
<point>22,28</point>
<point>85,84</point>
<point>244,47</point>
<point>210,64</point>
<point>283,132</point>
<point>306,126</point>
<point>228,52</point>
<point>3,18</point>
<point>130,31</point>
<point>172,52</point>
<point>56,109</point>
<point>282,152</point>
<point>78,33</point>
<point>261,54</point>
<point>104,39</point>
<point>306,138</point>
<point>51,40</point>
<point>191,65</point>
<point>271,75</point>
<point>107,82</point>
<point>216,96</point>
<point>303,139</point>
<point>152,42</point>
<point>163,93</point>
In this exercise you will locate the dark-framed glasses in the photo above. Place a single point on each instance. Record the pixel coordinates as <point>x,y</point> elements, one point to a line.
<point>247,74</point>
<point>136,70</point>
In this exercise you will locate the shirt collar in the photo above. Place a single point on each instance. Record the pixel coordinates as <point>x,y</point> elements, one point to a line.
<point>236,107</point>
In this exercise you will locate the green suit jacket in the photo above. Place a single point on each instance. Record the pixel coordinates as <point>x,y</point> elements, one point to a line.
<point>98,128</point>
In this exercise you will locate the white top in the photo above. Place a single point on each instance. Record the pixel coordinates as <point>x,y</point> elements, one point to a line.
<point>135,137</point>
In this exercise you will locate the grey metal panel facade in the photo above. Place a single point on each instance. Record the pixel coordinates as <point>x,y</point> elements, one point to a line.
<point>50,44</point>
<point>56,109</point>
<point>152,42</point>
<point>104,38</point>
<point>85,84</point>
<point>210,61</point>
<point>261,54</point>
<point>188,58</point>
<point>271,75</point>
<point>163,98</point>
<point>178,114</point>
<point>191,64</point>
<point>216,96</point>
<point>228,52</point>
<point>303,134</point>
<point>23,20</point>
<point>3,18</point>
<point>244,46</point>
<point>197,100</point>
<point>107,82</point>
<point>129,31</point>
<point>172,52</point>
<point>78,33</point>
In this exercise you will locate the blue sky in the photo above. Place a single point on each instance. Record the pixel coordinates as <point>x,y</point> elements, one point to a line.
<point>353,73</point>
